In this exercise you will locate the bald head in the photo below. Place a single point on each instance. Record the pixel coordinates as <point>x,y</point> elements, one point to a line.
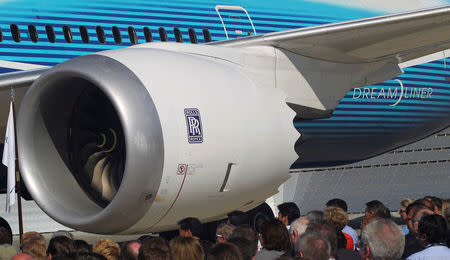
<point>22,256</point>
<point>131,250</point>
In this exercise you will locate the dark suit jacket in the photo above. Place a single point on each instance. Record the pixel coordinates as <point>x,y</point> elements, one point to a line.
<point>346,254</point>
<point>412,245</point>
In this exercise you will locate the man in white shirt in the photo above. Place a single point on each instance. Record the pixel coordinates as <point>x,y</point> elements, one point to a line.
<point>432,232</point>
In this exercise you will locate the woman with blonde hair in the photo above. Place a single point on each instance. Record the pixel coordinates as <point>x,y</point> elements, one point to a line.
<point>186,248</point>
<point>108,248</point>
<point>339,219</point>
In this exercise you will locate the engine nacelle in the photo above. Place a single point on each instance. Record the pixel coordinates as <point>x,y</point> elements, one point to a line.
<point>133,140</point>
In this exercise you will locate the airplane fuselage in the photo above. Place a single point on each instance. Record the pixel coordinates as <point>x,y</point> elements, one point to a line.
<point>368,121</point>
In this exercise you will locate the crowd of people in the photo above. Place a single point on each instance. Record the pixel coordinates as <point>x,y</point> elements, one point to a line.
<point>318,235</point>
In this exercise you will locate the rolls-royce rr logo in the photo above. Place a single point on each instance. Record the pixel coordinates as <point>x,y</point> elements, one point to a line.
<point>194,125</point>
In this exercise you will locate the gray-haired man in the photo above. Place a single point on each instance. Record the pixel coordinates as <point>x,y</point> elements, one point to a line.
<point>382,239</point>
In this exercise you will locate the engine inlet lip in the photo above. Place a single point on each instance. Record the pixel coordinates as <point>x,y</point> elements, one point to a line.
<point>143,143</point>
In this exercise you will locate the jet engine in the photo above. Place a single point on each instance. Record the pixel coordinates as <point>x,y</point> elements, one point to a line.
<point>133,140</point>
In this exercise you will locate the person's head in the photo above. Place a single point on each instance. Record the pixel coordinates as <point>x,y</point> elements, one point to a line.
<point>297,228</point>
<point>402,211</point>
<point>238,218</point>
<point>247,249</point>
<point>328,231</point>
<point>437,204</point>
<point>312,246</point>
<point>186,248</point>
<point>223,232</point>
<point>433,229</point>
<point>82,247</point>
<point>274,236</point>
<point>376,209</point>
<point>382,239</point>
<point>6,236</point>
<point>107,248</point>
<point>90,256</point>
<point>190,227</point>
<point>30,234</point>
<point>259,221</point>
<point>60,246</point>
<point>337,203</point>
<point>130,250</point>
<point>412,207</point>
<point>446,209</point>
<point>316,216</point>
<point>337,217</point>
<point>425,202</point>
<point>410,210</point>
<point>224,251</point>
<point>247,233</point>
<point>154,249</point>
<point>62,233</point>
<point>446,213</point>
<point>35,245</point>
<point>288,212</point>
<point>418,214</point>
<point>22,256</point>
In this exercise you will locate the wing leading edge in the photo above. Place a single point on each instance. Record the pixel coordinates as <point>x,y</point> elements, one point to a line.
<point>398,38</point>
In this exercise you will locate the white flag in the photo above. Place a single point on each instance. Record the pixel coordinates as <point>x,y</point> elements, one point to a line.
<point>9,160</point>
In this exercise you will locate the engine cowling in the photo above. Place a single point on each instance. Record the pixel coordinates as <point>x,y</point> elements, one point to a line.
<point>133,140</point>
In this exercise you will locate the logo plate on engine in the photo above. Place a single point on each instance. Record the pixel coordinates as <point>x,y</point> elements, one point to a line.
<point>194,125</point>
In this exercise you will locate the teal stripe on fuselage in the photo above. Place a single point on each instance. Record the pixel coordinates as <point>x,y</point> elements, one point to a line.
<point>376,106</point>
<point>32,60</point>
<point>267,16</point>
<point>381,118</point>
<point>358,124</point>
<point>340,112</point>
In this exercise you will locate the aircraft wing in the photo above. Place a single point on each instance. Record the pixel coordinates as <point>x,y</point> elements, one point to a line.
<point>19,79</point>
<point>398,37</point>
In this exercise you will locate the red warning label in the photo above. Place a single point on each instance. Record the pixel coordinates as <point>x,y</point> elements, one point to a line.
<point>182,169</point>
